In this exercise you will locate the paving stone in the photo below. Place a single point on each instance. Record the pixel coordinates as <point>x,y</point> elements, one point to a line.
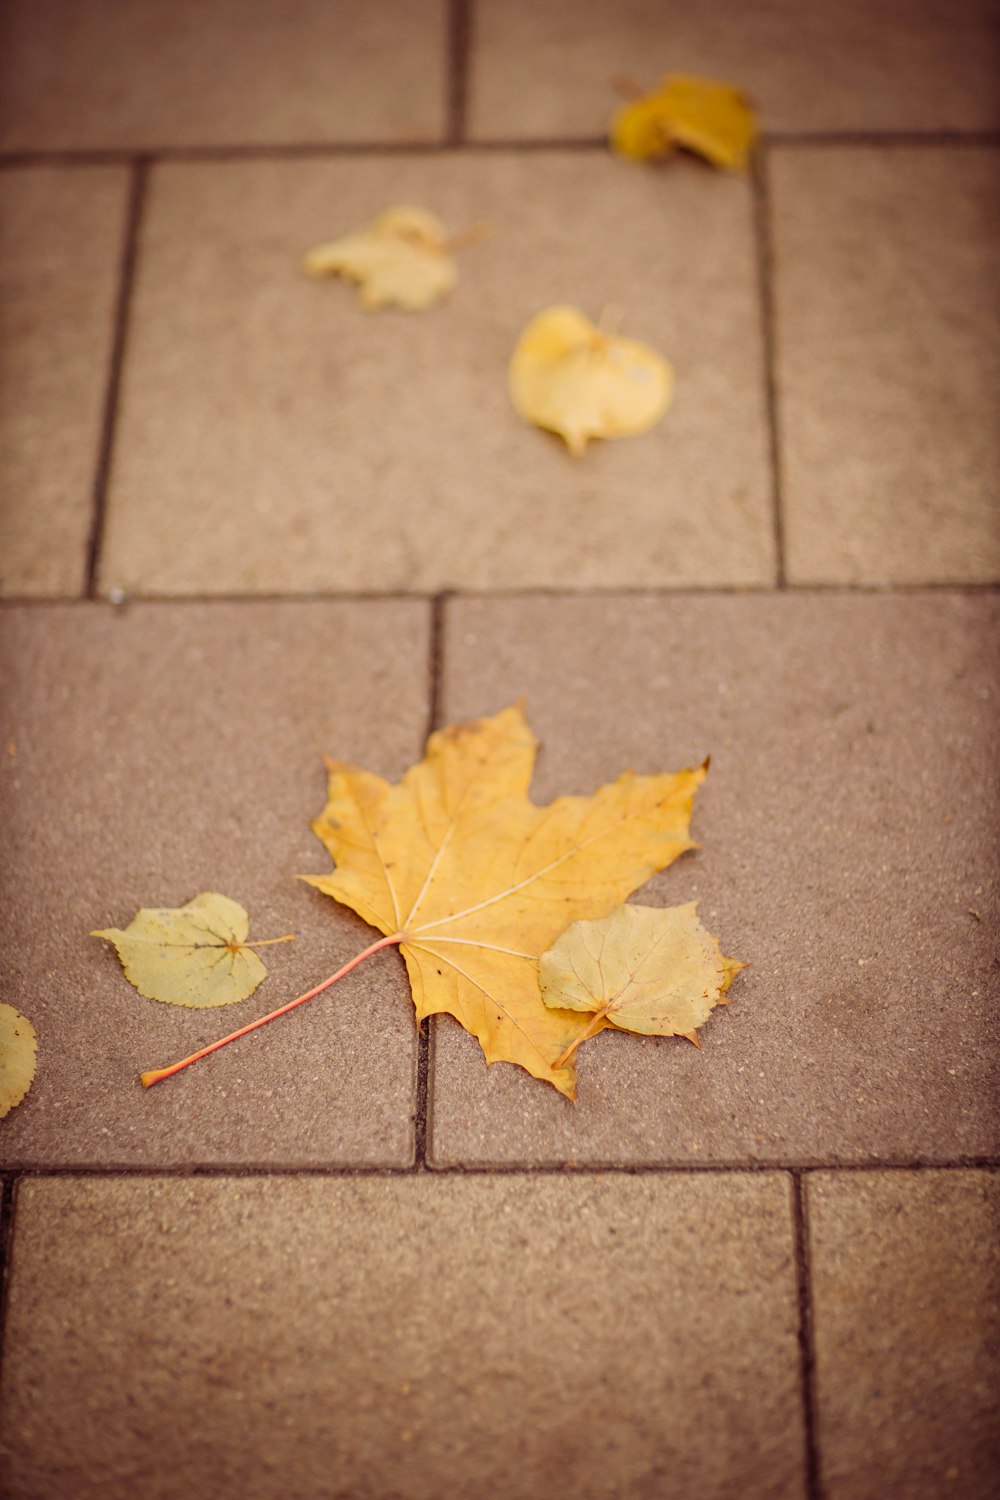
<point>157,751</point>
<point>906,1290</point>
<point>147,75</point>
<point>848,832</point>
<point>545,67</point>
<point>413,1337</point>
<point>60,243</point>
<point>888,323</point>
<point>359,451</point>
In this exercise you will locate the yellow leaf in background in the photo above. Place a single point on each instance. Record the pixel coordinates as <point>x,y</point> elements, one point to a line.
<point>18,1050</point>
<point>195,955</point>
<point>400,259</point>
<point>475,882</point>
<point>648,969</point>
<point>567,376</point>
<point>705,116</point>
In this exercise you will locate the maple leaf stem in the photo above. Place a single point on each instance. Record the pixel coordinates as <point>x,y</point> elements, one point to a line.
<point>596,1025</point>
<point>156,1075</point>
<point>266,942</point>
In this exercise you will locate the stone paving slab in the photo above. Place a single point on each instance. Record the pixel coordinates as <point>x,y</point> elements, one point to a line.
<point>379,451</point>
<point>888,371</point>
<point>158,751</point>
<point>146,75</point>
<point>906,1289</point>
<point>411,1337</point>
<point>848,832</point>
<point>61,234</point>
<point>545,67</point>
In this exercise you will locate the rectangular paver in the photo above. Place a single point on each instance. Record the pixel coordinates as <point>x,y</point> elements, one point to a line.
<point>415,1338</point>
<point>888,327</point>
<point>61,233</point>
<point>380,451</point>
<point>848,833</point>
<point>235,72</point>
<point>155,752</point>
<point>545,67</point>
<point>906,1289</point>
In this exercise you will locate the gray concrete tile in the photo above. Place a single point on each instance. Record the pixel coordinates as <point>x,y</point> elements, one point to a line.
<point>888,327</point>
<point>158,751</point>
<point>412,1337</point>
<point>906,1292</point>
<point>61,236</point>
<point>848,832</point>
<point>145,74</point>
<point>379,451</point>
<point>545,67</point>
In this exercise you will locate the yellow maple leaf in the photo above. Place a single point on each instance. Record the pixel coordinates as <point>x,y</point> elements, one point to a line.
<point>712,118</point>
<point>649,969</point>
<point>402,259</point>
<point>475,881</point>
<point>18,1050</point>
<point>195,955</point>
<point>567,376</point>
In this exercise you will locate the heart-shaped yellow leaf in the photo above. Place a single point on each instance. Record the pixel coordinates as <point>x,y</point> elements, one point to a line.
<point>701,114</point>
<point>401,259</point>
<point>648,969</point>
<point>568,377</point>
<point>195,955</point>
<point>18,1050</point>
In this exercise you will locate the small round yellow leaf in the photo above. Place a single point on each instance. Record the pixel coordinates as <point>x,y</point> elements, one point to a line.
<point>18,1050</point>
<point>195,955</point>
<point>648,969</point>
<point>567,376</point>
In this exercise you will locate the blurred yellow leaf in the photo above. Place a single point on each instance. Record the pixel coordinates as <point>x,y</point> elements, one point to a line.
<point>18,1049</point>
<point>701,114</point>
<point>195,955</point>
<point>567,376</point>
<point>402,259</point>
<point>648,969</point>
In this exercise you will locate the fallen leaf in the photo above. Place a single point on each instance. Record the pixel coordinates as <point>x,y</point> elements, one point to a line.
<point>402,258</point>
<point>195,955</point>
<point>714,119</point>
<point>18,1051</point>
<point>648,969</point>
<point>475,881</point>
<point>570,378</point>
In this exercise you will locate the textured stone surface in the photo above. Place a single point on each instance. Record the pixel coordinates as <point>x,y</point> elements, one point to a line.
<point>374,451</point>
<point>545,67</point>
<point>888,363</point>
<point>60,244</point>
<point>146,74</point>
<point>848,832</point>
<point>414,1337</point>
<point>906,1289</point>
<point>158,751</point>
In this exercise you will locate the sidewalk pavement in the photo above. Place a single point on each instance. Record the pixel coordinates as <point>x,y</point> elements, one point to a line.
<point>247,525</point>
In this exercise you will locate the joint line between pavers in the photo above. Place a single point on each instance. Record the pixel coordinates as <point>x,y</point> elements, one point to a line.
<point>6,1241</point>
<point>292,150</point>
<point>126,279</point>
<point>807,1354</point>
<point>457,54</point>
<point>434,709</point>
<point>498,1169</point>
<point>765,282</point>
